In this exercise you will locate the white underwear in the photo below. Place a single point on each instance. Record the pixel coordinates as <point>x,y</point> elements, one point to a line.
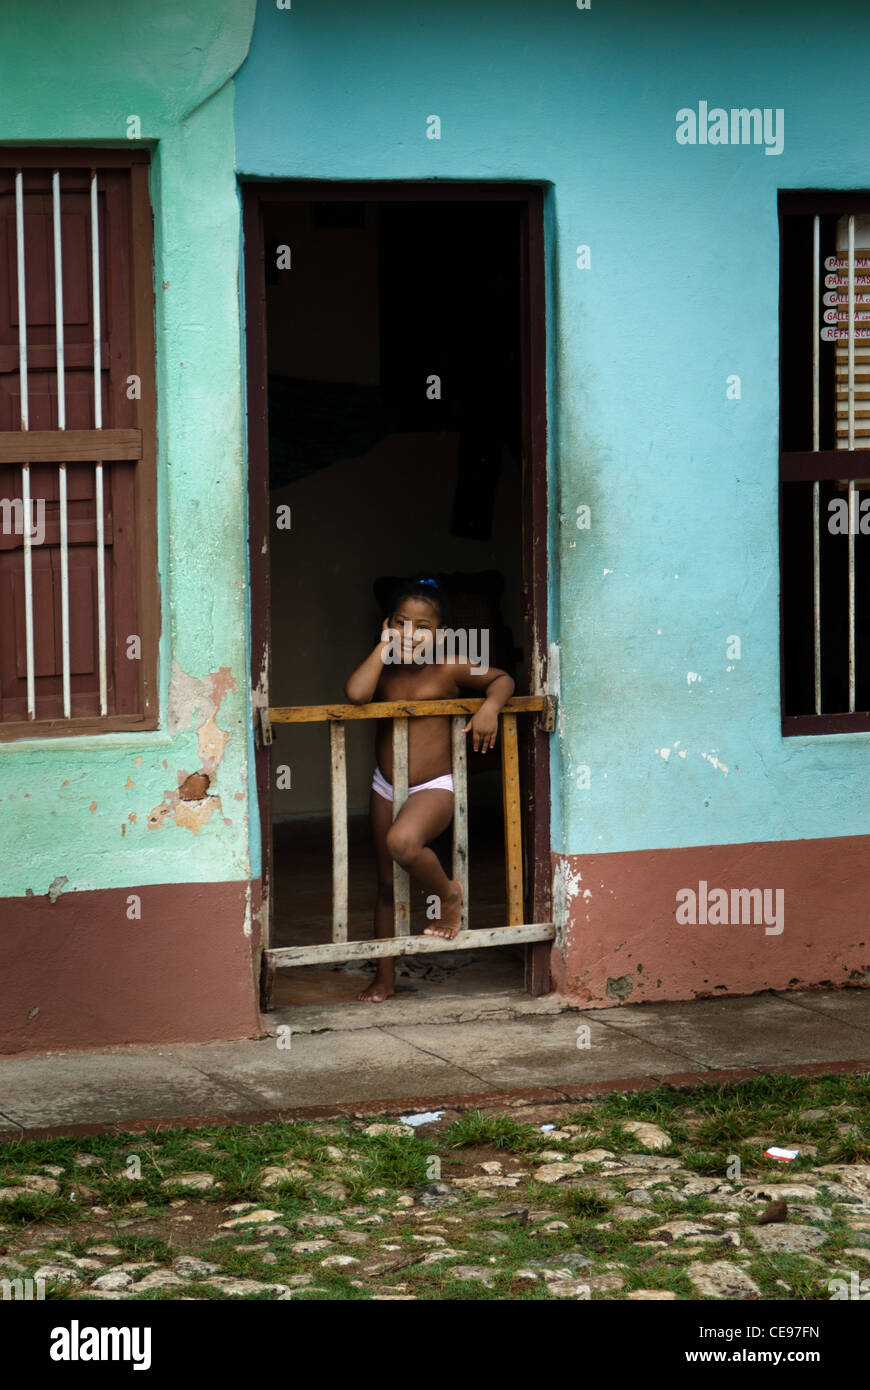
<point>385,788</point>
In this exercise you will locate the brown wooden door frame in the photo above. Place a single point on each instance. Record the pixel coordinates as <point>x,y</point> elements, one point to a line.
<point>538,876</point>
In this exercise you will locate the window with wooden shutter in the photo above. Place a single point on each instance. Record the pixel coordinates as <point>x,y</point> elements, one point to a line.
<point>825,461</point>
<point>78,566</point>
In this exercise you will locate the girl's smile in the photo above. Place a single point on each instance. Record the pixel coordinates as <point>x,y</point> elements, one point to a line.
<point>414,627</point>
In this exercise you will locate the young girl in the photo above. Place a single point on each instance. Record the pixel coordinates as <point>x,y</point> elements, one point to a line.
<point>416,619</point>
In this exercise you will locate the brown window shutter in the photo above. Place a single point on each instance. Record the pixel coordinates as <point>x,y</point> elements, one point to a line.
<point>125,445</point>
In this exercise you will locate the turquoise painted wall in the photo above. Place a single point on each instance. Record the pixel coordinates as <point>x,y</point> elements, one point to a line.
<point>682,291</point>
<point>73,75</point>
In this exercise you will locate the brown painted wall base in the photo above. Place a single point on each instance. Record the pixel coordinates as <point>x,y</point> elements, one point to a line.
<point>79,973</point>
<point>623,943</point>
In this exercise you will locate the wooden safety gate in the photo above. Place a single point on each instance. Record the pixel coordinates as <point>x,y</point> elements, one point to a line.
<point>402,943</point>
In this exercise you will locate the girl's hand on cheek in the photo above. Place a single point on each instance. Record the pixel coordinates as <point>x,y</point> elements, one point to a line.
<point>388,637</point>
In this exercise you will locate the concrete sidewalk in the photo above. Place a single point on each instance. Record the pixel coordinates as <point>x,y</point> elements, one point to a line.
<point>339,1066</point>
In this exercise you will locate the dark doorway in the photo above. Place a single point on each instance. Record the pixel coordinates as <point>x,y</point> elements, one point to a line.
<point>391,391</point>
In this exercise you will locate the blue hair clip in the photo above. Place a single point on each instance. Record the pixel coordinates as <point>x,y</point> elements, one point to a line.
<point>428,581</point>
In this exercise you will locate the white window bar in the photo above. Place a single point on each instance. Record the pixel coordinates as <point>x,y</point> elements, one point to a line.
<point>851,481</point>
<point>852,523</point>
<point>98,425</point>
<point>817,588</point>
<point>851,342</point>
<point>22,301</point>
<point>25,424</point>
<point>61,424</point>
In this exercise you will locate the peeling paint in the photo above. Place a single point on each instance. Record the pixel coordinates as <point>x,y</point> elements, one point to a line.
<point>554,682</point>
<point>195,786</point>
<point>261,917</point>
<point>188,812</point>
<point>259,695</point>
<point>566,886</point>
<point>193,815</point>
<point>619,988</point>
<point>195,703</point>
<point>714,762</point>
<point>192,702</point>
<point>212,743</point>
<point>56,887</point>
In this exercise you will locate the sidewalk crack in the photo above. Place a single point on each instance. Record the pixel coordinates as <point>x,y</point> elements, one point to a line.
<point>863,1028</point>
<point>239,1088</point>
<point>384,1027</point>
<point>658,1047</point>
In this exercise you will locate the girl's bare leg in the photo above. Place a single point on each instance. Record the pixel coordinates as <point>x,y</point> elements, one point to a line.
<point>405,841</point>
<point>423,817</point>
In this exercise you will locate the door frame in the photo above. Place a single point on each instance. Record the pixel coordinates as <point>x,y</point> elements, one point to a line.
<point>536,746</point>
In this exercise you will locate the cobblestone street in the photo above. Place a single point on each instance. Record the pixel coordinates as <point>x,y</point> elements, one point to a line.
<point>637,1197</point>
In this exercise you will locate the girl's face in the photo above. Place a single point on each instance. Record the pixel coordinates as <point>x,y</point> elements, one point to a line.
<point>416,621</point>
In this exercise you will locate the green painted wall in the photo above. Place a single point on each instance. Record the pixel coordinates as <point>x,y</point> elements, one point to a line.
<point>73,75</point>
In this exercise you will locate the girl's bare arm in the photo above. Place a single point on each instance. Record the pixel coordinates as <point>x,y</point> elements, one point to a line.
<point>497,687</point>
<point>363,682</point>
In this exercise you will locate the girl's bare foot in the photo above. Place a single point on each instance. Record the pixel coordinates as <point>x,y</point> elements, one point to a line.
<point>451,914</point>
<point>380,989</point>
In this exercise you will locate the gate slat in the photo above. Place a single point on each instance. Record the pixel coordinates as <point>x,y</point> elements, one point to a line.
<point>401,881</point>
<point>460,812</point>
<point>513,842</point>
<point>406,945</point>
<point>338,787</point>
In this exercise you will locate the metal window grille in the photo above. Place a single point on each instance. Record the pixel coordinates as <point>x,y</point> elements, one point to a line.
<point>77,242</point>
<point>825,461</point>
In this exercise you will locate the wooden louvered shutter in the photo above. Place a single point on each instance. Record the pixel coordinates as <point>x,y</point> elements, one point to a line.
<point>123,450</point>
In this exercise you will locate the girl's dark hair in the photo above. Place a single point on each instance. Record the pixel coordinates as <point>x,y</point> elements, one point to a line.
<point>424,586</point>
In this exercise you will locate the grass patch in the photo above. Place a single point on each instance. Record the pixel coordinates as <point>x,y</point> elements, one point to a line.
<point>476,1130</point>
<point>579,1201</point>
